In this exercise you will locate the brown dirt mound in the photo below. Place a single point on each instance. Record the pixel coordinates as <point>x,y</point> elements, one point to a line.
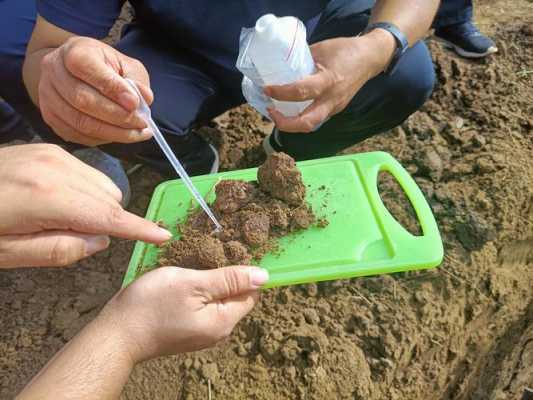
<point>253,216</point>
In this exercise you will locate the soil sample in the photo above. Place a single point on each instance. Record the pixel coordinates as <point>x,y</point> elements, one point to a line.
<point>253,216</point>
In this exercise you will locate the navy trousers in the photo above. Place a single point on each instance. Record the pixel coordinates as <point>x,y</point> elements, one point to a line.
<point>453,12</point>
<point>189,89</point>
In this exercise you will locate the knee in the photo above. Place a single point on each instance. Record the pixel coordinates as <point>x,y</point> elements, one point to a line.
<point>10,64</point>
<point>413,81</point>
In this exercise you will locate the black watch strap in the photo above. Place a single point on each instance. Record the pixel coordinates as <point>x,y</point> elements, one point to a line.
<point>401,42</point>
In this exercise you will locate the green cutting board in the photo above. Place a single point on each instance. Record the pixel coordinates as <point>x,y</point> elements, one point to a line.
<point>362,237</point>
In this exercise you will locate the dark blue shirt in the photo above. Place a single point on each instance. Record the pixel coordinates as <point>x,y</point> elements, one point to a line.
<point>207,27</point>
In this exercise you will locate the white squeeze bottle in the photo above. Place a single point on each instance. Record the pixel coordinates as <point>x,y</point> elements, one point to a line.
<point>274,52</point>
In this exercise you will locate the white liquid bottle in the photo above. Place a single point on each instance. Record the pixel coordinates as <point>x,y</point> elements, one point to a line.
<point>281,55</point>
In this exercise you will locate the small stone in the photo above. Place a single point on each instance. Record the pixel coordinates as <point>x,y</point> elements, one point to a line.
<point>430,164</point>
<point>323,307</point>
<point>485,165</point>
<point>499,159</point>
<point>311,316</point>
<point>196,364</point>
<point>241,351</point>
<point>387,363</point>
<point>313,358</point>
<point>187,363</point>
<point>291,372</point>
<point>311,289</point>
<point>277,335</point>
<point>479,140</point>
<point>412,169</point>
<point>420,298</point>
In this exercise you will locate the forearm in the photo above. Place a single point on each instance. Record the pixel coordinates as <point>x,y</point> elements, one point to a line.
<point>413,17</point>
<point>94,365</point>
<point>31,72</point>
<point>45,38</point>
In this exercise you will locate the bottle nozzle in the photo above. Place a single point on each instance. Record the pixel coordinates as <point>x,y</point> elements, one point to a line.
<point>266,27</point>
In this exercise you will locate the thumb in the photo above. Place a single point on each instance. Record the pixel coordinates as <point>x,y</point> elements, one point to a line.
<point>48,249</point>
<point>224,283</point>
<point>137,73</point>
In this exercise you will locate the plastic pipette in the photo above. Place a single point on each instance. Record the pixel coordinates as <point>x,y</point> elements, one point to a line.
<point>145,112</point>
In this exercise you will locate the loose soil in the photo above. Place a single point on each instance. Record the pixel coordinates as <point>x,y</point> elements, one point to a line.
<point>462,331</point>
<point>253,216</point>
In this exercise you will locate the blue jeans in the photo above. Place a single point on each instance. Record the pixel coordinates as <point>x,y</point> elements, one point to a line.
<point>189,89</point>
<point>453,12</point>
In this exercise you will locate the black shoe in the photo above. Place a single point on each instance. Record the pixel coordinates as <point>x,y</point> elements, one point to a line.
<point>196,155</point>
<point>466,40</point>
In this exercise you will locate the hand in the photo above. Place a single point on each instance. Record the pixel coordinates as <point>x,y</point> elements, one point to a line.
<point>84,98</point>
<point>343,66</point>
<point>173,310</point>
<point>55,210</point>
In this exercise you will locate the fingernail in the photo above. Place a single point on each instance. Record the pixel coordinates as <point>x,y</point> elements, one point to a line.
<point>128,100</point>
<point>258,276</point>
<point>267,91</point>
<point>165,234</point>
<point>147,133</point>
<point>95,244</point>
<point>137,115</point>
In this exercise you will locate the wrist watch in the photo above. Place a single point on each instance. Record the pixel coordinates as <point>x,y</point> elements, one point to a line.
<point>401,42</point>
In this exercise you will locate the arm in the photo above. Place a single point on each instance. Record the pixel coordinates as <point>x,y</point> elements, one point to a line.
<point>95,364</point>
<point>345,64</point>
<point>44,39</point>
<point>77,83</point>
<point>167,311</point>
<point>413,17</point>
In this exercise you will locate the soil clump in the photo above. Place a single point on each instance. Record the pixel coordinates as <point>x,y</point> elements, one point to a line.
<point>253,216</point>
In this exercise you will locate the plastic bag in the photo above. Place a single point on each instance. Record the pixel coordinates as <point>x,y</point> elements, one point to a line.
<point>274,52</point>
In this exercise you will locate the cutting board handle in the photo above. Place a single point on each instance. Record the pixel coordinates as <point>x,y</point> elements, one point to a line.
<point>399,239</point>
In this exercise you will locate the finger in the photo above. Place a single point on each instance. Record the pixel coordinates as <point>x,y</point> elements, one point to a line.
<point>100,75</point>
<point>48,249</point>
<point>97,217</point>
<point>308,88</point>
<point>146,92</point>
<point>224,283</point>
<point>130,226</point>
<point>230,311</point>
<point>66,170</point>
<point>92,127</point>
<point>91,102</point>
<point>90,176</point>
<point>135,70</point>
<point>306,122</point>
<point>67,133</point>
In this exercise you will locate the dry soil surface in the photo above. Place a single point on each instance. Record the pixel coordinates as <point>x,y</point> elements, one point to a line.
<point>462,331</point>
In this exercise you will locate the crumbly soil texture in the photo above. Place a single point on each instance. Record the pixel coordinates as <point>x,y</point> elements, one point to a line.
<point>462,331</point>
<point>253,215</point>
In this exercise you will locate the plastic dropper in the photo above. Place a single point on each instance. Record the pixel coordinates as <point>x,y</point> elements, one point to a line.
<point>145,113</point>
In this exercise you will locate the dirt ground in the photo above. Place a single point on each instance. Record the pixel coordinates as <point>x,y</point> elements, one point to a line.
<point>462,331</point>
